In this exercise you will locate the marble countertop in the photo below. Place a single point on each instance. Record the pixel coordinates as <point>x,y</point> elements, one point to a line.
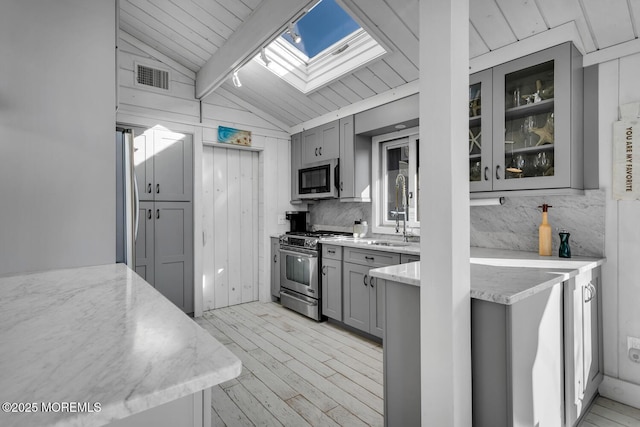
<point>103,335</point>
<point>501,276</point>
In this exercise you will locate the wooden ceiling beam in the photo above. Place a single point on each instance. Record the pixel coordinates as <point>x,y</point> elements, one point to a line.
<point>247,40</point>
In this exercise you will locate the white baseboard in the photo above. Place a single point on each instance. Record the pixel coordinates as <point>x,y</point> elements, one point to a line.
<point>620,391</point>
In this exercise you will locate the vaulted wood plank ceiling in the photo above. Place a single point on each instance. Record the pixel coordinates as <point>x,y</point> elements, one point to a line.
<point>190,32</point>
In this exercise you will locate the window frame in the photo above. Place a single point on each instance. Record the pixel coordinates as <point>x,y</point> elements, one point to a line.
<point>379,184</point>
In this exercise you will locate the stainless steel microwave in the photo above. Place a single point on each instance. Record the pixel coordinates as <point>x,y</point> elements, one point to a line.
<point>319,180</point>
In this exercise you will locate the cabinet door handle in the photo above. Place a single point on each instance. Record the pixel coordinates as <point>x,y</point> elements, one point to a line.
<point>316,151</point>
<point>324,270</point>
<point>341,186</point>
<point>588,293</point>
<point>319,151</point>
<point>370,258</point>
<point>331,251</point>
<point>149,188</point>
<point>371,281</point>
<point>497,171</point>
<point>486,173</point>
<point>364,280</point>
<point>157,213</point>
<point>157,188</point>
<point>275,259</point>
<point>149,214</point>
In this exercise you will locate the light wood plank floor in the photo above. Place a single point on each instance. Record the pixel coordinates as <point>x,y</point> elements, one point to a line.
<point>297,372</point>
<point>607,413</point>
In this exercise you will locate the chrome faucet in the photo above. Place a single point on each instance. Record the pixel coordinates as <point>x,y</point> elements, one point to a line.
<point>401,184</point>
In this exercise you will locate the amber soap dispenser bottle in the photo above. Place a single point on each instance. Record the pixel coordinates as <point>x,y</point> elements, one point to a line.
<point>544,233</point>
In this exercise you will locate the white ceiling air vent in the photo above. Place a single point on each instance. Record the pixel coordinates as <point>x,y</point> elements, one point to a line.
<point>153,77</point>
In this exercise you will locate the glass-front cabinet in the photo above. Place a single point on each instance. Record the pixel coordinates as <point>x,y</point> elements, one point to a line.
<point>480,131</point>
<point>536,140</point>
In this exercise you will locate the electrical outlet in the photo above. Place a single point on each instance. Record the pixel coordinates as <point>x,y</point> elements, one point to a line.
<point>282,220</point>
<point>633,345</point>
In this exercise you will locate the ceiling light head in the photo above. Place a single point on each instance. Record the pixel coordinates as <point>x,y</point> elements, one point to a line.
<point>263,55</point>
<point>400,126</point>
<point>236,80</point>
<point>295,36</point>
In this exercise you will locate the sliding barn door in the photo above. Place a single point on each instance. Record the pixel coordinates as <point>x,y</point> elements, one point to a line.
<point>230,227</point>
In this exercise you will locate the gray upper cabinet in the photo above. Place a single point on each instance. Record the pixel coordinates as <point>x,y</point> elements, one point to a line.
<point>296,161</point>
<point>164,166</point>
<point>355,163</point>
<point>480,132</point>
<point>321,143</point>
<point>526,121</point>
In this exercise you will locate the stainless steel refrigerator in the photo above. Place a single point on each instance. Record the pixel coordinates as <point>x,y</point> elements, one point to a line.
<point>127,200</point>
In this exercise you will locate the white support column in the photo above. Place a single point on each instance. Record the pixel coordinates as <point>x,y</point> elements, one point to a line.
<point>444,213</point>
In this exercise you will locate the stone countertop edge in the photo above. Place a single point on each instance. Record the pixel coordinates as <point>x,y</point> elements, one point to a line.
<point>501,284</point>
<point>411,248</point>
<point>100,334</point>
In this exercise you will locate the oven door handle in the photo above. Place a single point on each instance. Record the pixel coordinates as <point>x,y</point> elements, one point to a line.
<point>305,253</point>
<point>290,295</point>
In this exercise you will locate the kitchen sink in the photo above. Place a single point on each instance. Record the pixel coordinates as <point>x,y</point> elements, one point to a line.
<point>387,243</point>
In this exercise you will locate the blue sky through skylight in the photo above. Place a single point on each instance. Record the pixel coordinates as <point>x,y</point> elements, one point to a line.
<point>326,24</point>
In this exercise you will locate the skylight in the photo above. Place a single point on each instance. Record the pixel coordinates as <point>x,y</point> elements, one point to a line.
<point>332,44</point>
<point>323,26</point>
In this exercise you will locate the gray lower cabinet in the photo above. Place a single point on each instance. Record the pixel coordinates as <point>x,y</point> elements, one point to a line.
<point>164,250</point>
<point>363,295</point>
<point>331,278</point>
<point>537,362</point>
<point>405,258</point>
<point>583,342</point>
<point>332,288</point>
<point>517,359</point>
<point>275,267</point>
<point>401,354</point>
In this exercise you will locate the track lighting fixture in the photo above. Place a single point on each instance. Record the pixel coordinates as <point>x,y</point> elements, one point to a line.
<point>235,79</point>
<point>295,36</point>
<point>263,55</point>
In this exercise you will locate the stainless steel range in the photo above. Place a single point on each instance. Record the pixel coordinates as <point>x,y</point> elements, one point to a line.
<point>300,288</point>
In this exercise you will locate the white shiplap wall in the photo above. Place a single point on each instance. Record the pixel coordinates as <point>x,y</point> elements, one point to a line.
<point>230,226</point>
<point>618,80</point>
<point>179,111</point>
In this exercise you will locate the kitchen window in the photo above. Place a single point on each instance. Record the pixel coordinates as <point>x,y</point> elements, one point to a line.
<point>396,171</point>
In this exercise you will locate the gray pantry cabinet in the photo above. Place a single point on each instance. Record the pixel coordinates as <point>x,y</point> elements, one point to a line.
<point>164,166</point>
<point>164,244</point>
<point>332,281</point>
<point>363,295</point>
